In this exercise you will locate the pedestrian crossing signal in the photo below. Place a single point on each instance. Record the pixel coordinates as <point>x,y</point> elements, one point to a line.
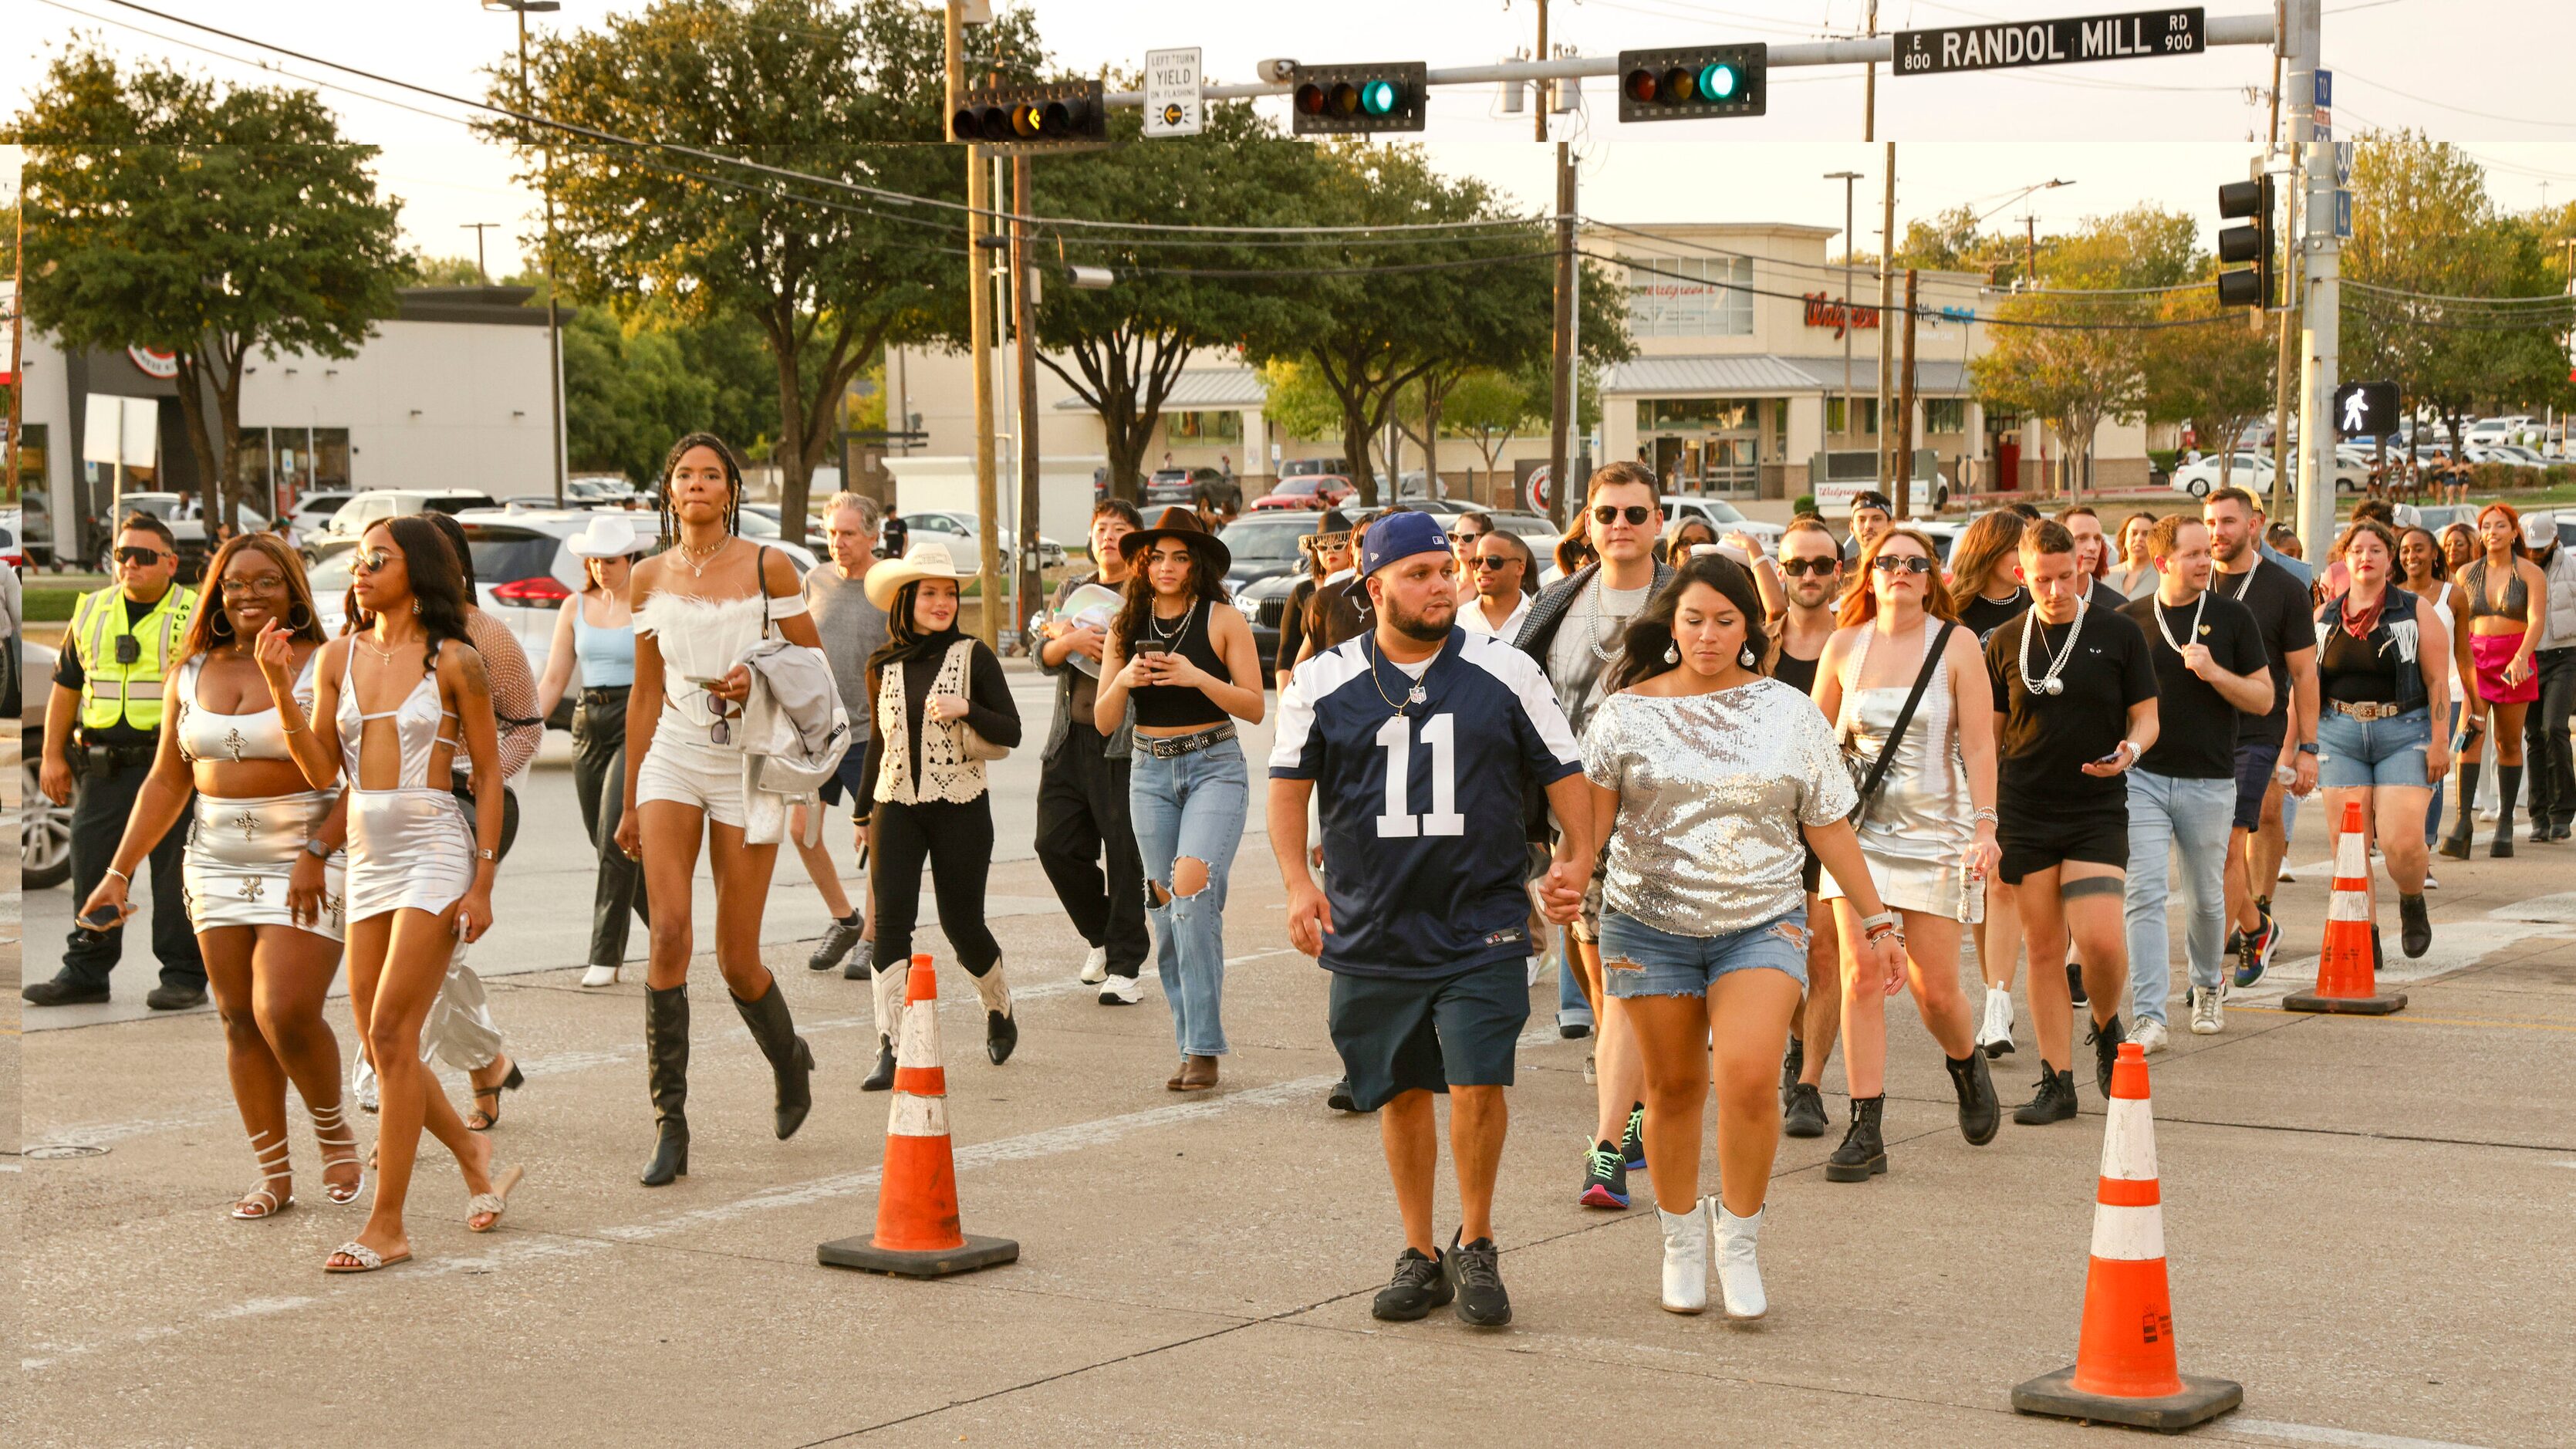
<point>1343,100</point>
<point>1693,83</point>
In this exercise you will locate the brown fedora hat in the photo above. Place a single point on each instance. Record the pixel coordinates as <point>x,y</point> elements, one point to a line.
<point>1183,524</point>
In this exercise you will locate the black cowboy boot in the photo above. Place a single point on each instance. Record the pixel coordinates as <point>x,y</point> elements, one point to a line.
<point>790,1060</point>
<point>666,1066</point>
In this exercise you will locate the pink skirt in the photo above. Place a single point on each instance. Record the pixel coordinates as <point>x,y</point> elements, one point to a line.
<point>2491,653</point>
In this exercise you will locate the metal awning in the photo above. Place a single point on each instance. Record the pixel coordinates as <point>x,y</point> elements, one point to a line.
<point>1763,374</point>
<point>1201,389</point>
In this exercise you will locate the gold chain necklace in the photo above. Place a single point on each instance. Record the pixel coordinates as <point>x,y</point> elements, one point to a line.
<point>698,564</point>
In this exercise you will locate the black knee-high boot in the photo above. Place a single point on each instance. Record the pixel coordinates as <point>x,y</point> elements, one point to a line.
<point>2508,791</point>
<point>2456,844</point>
<point>666,1066</point>
<point>790,1060</point>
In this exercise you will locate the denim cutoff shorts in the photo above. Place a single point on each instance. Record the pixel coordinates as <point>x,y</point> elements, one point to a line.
<point>1638,960</point>
<point>2354,754</point>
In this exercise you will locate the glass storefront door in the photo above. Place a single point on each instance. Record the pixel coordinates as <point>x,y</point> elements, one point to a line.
<point>1703,445</point>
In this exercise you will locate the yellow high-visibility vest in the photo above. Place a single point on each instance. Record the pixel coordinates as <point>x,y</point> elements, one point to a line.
<point>131,693</point>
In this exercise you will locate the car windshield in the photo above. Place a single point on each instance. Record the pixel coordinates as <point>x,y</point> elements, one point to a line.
<point>1266,540</point>
<point>159,505</point>
<point>1299,487</point>
<point>507,555</point>
<point>331,576</point>
<point>458,503</point>
<point>1721,511</point>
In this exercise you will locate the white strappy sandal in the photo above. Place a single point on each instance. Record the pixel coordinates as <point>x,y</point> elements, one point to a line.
<point>262,1202</point>
<point>494,1201</point>
<point>362,1259</point>
<point>339,1144</point>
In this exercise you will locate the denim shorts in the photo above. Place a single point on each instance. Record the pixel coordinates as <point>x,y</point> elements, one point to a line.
<point>1638,960</point>
<point>2355,754</point>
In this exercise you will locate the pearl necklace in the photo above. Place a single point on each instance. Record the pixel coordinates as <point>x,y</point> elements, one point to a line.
<point>2049,683</point>
<point>2199,604</point>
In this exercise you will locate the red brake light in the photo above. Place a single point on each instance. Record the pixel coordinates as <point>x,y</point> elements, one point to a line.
<point>532,593</point>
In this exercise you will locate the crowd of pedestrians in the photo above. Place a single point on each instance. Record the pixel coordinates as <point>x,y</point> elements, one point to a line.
<point>1741,794</point>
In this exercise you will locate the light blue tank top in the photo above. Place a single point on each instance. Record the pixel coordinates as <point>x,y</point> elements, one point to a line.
<point>606,656</point>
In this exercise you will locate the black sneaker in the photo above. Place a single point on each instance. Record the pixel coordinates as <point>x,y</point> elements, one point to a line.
<point>1632,1144</point>
<point>2416,926</point>
<point>166,997</point>
<point>1341,1100</point>
<point>1605,1177</point>
<point>2106,1039</point>
<point>62,991</point>
<point>2075,982</point>
<point>2054,1101</point>
<point>1805,1114</point>
<point>863,963</point>
<point>1419,1285</point>
<point>1792,1063</point>
<point>837,940</point>
<point>1475,1271</point>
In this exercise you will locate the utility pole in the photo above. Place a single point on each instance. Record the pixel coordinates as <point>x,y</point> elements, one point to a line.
<point>554,311</point>
<point>1869,99</point>
<point>1541,91</point>
<point>1560,427</point>
<point>2030,252</point>
<point>979,329</point>
<point>2324,264</point>
<point>2285,363</point>
<point>1025,321</point>
<point>17,363</point>
<point>1904,495</point>
<point>482,273</point>
<point>1846,178</point>
<point>1886,304</point>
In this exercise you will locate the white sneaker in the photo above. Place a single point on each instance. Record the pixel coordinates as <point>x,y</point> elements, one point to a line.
<point>2208,1010</point>
<point>600,976</point>
<point>1591,1074</point>
<point>2431,884</point>
<point>2150,1035</point>
<point>1095,967</point>
<point>1122,990</point>
<point>1995,1036</point>
<point>1739,1275</point>
<point>362,1081</point>
<point>1536,965</point>
<point>1685,1260</point>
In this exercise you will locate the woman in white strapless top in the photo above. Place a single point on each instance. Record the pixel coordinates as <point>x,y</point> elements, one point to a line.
<point>399,692</point>
<point>698,607</point>
<point>263,866</point>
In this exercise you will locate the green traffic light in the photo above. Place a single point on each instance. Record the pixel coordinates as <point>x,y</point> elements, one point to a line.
<point>1378,97</point>
<point>1717,82</point>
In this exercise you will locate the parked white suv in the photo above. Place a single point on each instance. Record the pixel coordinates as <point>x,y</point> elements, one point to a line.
<point>353,519</point>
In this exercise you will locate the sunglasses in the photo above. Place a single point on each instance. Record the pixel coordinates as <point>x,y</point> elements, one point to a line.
<point>370,560</point>
<point>1635,513</point>
<point>1492,561</point>
<point>136,554</point>
<point>1912,563</point>
<point>1821,567</point>
<point>1469,535</point>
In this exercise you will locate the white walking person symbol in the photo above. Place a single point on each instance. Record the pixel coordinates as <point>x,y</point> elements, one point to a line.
<point>2355,410</point>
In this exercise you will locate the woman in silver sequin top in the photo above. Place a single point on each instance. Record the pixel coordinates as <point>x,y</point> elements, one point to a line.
<point>1713,781</point>
<point>1929,835</point>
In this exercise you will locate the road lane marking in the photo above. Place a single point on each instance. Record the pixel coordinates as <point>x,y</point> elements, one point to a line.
<point>2320,1434</point>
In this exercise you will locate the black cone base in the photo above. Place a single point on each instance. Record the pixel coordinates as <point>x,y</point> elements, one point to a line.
<point>2200,1401</point>
<point>863,1254</point>
<point>2379,1005</point>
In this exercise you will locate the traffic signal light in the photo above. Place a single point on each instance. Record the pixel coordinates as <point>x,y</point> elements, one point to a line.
<point>1693,82</point>
<point>1343,100</point>
<point>2253,200</point>
<point>1059,116</point>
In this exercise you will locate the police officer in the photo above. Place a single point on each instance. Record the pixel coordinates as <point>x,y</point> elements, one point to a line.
<point>107,689</point>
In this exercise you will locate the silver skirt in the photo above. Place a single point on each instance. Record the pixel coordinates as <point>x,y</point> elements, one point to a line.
<point>239,857</point>
<point>408,850</point>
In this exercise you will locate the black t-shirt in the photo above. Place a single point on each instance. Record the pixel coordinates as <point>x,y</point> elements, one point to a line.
<point>2195,725</point>
<point>2047,738</point>
<point>1985,616</point>
<point>2104,596</point>
<point>2281,608</point>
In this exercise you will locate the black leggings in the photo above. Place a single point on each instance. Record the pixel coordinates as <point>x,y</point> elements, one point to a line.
<point>957,841</point>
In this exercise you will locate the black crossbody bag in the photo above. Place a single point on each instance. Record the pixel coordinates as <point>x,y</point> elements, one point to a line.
<point>1871,781</point>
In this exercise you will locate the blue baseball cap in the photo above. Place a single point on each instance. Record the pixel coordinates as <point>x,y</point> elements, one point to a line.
<point>1400,536</point>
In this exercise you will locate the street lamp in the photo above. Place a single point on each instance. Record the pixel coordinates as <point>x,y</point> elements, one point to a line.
<point>554,319</point>
<point>2030,244</point>
<point>1846,178</point>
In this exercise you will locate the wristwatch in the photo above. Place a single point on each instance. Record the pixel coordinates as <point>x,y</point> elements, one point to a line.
<point>2308,747</point>
<point>317,848</point>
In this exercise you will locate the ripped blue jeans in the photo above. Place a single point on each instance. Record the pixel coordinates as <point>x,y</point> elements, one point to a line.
<point>1190,807</point>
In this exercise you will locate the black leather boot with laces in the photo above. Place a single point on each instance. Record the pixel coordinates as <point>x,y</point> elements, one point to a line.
<point>1863,1153</point>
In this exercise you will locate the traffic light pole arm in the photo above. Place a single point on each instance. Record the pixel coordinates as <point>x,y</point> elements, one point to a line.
<point>2217,30</point>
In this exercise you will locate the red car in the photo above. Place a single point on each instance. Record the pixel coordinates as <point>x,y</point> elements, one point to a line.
<point>1313,490</point>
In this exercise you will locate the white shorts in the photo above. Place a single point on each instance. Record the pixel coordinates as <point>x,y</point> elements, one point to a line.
<point>692,774</point>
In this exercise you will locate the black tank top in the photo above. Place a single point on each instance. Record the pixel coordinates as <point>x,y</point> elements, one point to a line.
<point>1798,673</point>
<point>1170,706</point>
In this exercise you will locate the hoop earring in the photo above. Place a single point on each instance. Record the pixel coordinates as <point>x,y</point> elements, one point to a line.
<point>1672,654</point>
<point>221,627</point>
<point>1744,656</point>
<point>304,623</point>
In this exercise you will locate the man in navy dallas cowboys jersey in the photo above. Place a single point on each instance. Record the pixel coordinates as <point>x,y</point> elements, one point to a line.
<point>1423,738</point>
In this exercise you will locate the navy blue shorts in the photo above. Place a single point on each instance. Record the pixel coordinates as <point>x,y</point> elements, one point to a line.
<point>1408,1033</point>
<point>845,781</point>
<point>2255,762</point>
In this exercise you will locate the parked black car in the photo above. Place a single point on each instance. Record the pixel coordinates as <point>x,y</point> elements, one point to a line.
<point>1266,566</point>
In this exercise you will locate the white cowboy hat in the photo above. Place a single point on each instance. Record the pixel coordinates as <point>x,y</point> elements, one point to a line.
<point>925,561</point>
<point>606,535</point>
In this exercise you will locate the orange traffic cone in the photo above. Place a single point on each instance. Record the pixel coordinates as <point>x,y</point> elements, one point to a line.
<point>917,1233</point>
<point>2347,966</point>
<point>2124,1357</point>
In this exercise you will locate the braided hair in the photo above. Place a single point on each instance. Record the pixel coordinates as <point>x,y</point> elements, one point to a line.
<point>670,516</point>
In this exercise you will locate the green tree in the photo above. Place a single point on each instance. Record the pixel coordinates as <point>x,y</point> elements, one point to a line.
<point>423,270</point>
<point>1946,242</point>
<point>1491,407</point>
<point>827,277</point>
<point>1122,348</point>
<point>210,222</point>
<point>2216,376</point>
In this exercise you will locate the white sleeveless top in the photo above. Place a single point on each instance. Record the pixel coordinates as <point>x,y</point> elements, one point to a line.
<point>701,639</point>
<point>206,734</point>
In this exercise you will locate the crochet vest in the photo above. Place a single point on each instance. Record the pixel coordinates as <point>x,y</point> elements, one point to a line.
<point>946,773</point>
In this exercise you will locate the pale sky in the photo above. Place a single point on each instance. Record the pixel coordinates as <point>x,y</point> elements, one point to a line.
<point>2488,74</point>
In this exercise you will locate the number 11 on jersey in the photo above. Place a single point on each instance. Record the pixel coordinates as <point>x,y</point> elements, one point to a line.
<point>1440,732</point>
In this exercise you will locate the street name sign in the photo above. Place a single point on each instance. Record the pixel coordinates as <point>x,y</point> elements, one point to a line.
<point>1172,104</point>
<point>2123,36</point>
